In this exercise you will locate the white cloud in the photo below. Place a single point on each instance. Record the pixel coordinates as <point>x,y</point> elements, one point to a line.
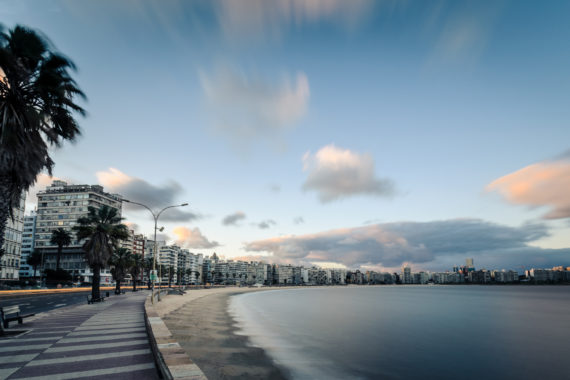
<point>192,238</point>
<point>246,109</point>
<point>336,173</point>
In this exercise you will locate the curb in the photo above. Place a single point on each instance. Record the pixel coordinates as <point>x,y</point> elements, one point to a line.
<point>171,359</point>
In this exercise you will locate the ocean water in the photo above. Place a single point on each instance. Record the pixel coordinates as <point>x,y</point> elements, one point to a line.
<point>412,332</point>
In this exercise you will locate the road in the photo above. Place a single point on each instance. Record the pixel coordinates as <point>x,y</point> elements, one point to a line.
<point>46,302</point>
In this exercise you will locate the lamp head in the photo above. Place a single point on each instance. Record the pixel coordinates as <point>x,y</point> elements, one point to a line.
<point>184,204</point>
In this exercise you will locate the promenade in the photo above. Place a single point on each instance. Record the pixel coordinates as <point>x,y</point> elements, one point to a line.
<point>99,341</point>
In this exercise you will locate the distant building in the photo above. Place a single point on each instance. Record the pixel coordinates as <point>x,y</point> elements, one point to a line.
<point>407,275</point>
<point>28,239</point>
<point>504,277</point>
<point>138,244</point>
<point>283,274</point>
<point>479,277</point>
<point>469,265</point>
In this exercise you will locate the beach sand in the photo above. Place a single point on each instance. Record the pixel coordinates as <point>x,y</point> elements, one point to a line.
<point>201,324</point>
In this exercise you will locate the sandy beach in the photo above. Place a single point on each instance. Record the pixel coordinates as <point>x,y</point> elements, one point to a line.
<point>201,324</point>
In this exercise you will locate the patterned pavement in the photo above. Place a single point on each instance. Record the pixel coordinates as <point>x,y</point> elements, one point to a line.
<point>100,341</point>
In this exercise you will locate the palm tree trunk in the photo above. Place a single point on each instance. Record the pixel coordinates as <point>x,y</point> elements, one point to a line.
<point>59,249</point>
<point>118,287</point>
<point>4,211</point>
<point>134,283</point>
<point>95,291</point>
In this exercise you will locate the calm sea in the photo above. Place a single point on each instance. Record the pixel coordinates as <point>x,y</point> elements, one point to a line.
<point>409,332</point>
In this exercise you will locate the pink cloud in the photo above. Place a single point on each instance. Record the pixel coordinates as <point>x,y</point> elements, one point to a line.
<point>192,238</point>
<point>545,183</point>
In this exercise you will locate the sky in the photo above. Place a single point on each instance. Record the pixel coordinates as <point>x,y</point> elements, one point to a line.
<point>360,134</point>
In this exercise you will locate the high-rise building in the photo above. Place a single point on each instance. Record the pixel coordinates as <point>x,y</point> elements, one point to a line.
<point>407,275</point>
<point>59,206</point>
<point>129,241</point>
<point>138,245</point>
<point>168,256</point>
<point>469,264</point>
<point>13,242</point>
<point>28,237</point>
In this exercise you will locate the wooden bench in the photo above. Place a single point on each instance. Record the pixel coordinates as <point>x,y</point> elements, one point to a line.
<point>13,310</point>
<point>90,299</point>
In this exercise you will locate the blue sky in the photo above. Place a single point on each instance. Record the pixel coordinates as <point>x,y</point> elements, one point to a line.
<point>355,132</point>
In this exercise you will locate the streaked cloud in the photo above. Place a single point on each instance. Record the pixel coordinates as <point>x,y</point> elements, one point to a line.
<point>433,245</point>
<point>336,173</point>
<point>298,220</point>
<point>269,20</point>
<point>141,191</point>
<point>193,238</point>
<point>544,184</point>
<point>233,219</point>
<point>464,31</point>
<point>247,108</point>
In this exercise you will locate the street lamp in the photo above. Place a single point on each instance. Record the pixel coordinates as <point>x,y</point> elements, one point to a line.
<point>155,216</point>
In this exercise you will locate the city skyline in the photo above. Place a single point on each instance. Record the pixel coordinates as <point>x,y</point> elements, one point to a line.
<point>343,133</point>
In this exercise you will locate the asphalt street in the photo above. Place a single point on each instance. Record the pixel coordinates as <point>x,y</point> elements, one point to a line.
<point>41,303</point>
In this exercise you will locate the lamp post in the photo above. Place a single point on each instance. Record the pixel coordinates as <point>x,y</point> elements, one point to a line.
<point>155,216</point>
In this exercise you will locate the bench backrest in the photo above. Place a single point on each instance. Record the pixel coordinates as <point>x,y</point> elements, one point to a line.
<point>10,309</point>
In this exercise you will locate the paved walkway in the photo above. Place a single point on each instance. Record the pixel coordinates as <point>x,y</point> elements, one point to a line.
<point>100,341</point>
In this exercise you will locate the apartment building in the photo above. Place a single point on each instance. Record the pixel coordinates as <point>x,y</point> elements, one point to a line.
<point>12,246</point>
<point>28,238</point>
<point>59,206</point>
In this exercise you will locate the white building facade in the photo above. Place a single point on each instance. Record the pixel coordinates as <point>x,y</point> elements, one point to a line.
<point>10,262</point>
<point>59,206</point>
<point>28,239</point>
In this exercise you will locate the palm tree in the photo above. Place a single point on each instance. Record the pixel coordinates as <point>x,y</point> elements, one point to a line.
<point>37,112</point>
<point>103,229</point>
<point>179,272</point>
<point>34,260</point>
<point>147,264</point>
<point>170,275</point>
<point>61,238</point>
<point>189,276</point>
<point>135,270</point>
<point>120,261</point>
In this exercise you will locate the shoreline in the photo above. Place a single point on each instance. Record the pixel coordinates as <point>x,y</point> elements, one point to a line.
<point>203,326</point>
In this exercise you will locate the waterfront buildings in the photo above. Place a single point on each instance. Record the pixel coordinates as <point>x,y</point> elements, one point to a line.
<point>60,205</point>
<point>10,262</point>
